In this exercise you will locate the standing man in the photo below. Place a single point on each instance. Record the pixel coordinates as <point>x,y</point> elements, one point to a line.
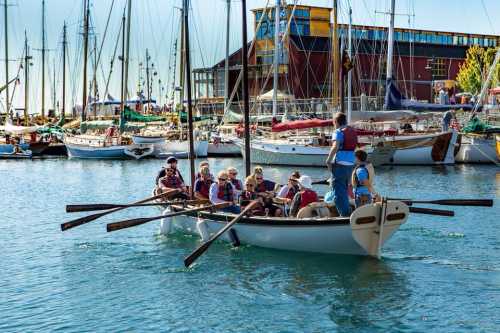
<point>448,116</point>
<point>340,162</point>
<point>171,163</point>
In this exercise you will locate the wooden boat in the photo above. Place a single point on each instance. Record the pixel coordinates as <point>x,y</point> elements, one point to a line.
<point>100,147</point>
<point>477,148</point>
<point>359,234</point>
<point>419,149</point>
<point>23,154</point>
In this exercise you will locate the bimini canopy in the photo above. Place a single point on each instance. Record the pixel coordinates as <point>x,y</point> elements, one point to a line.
<point>17,130</point>
<point>395,100</point>
<point>280,96</point>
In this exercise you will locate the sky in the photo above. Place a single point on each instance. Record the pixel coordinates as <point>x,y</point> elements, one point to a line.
<point>155,26</point>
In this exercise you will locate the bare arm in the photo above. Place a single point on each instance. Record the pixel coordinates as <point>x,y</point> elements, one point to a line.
<point>332,153</point>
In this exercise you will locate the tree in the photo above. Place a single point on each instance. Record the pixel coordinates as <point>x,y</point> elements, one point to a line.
<point>474,70</point>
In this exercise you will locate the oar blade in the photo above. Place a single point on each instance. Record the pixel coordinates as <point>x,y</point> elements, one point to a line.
<point>466,202</point>
<point>90,207</point>
<point>81,220</point>
<point>430,211</point>
<point>188,261</point>
<point>128,223</point>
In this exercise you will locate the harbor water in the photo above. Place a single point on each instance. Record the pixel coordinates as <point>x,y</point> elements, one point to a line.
<point>437,274</point>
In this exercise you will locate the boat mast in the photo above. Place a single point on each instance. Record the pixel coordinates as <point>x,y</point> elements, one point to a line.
<point>244,83</point>
<point>181,64</point>
<point>127,51</point>
<point>335,59</point>
<point>277,11</point>
<point>148,92</point>
<point>43,59</point>
<point>349,74</point>
<point>65,43</point>
<point>226,65</point>
<point>7,106</point>
<point>123,86</point>
<point>390,41</point>
<point>27,59</point>
<point>85,55</point>
<point>54,86</point>
<point>187,60</point>
<point>94,78</point>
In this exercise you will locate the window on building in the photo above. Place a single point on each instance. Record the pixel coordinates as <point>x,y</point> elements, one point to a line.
<point>300,27</point>
<point>301,13</point>
<point>439,68</point>
<point>406,36</point>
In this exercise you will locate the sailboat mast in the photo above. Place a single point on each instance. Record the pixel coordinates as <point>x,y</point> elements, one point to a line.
<point>244,83</point>
<point>187,59</point>
<point>43,59</point>
<point>26,79</point>
<point>63,109</point>
<point>123,84</point>
<point>349,74</point>
<point>181,63</point>
<point>277,11</point>
<point>390,41</point>
<point>335,58</point>
<point>7,106</point>
<point>94,79</point>
<point>85,56</point>
<point>226,65</point>
<point>127,51</point>
<point>54,86</point>
<point>148,92</point>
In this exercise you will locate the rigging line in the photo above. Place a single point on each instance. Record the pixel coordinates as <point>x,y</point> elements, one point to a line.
<point>113,59</point>
<point>105,33</point>
<point>488,16</point>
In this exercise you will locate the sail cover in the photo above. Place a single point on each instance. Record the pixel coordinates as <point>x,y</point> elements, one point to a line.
<point>301,124</point>
<point>395,100</point>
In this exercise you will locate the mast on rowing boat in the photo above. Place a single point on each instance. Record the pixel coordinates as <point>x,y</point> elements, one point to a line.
<point>335,59</point>
<point>187,60</point>
<point>65,43</point>
<point>276,55</point>
<point>244,83</point>
<point>226,65</point>
<point>349,74</point>
<point>85,56</point>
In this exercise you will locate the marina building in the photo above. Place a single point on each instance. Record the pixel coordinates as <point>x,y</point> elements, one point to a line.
<point>423,59</point>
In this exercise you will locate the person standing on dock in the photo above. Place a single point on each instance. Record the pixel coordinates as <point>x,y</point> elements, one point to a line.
<point>340,162</point>
<point>448,116</point>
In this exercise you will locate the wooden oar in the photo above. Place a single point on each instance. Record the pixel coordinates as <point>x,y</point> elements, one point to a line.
<point>90,218</point>
<point>429,211</point>
<point>92,207</point>
<point>203,247</point>
<point>321,182</point>
<point>453,202</point>
<point>138,221</point>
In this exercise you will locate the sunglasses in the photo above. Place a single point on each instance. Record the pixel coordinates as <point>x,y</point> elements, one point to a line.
<point>259,178</point>
<point>233,173</point>
<point>222,179</point>
<point>249,185</point>
<point>170,170</point>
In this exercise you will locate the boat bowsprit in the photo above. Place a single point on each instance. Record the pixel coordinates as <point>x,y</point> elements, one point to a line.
<point>360,234</point>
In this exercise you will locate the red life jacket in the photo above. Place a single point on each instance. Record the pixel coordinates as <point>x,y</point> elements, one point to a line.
<point>205,187</point>
<point>306,197</point>
<point>350,138</point>
<point>171,181</point>
<point>237,184</point>
<point>225,192</point>
<point>291,193</point>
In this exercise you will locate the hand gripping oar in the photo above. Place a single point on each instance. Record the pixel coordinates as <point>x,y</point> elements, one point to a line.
<point>203,247</point>
<point>92,207</point>
<point>453,202</point>
<point>89,218</point>
<point>429,211</point>
<point>138,221</point>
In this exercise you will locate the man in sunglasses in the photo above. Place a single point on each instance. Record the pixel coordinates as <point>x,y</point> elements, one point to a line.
<point>172,182</point>
<point>223,191</point>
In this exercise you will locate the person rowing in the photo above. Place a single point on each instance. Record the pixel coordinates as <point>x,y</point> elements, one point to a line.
<point>204,164</point>
<point>265,189</point>
<point>362,180</point>
<point>223,191</point>
<point>248,195</point>
<point>170,163</point>
<point>202,184</point>
<point>173,182</point>
<point>287,192</point>
<point>238,184</point>
<point>304,197</point>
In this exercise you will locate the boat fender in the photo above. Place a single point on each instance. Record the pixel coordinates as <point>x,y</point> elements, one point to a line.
<point>165,223</point>
<point>201,225</point>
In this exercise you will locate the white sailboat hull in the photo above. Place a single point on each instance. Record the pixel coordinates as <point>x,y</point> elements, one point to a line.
<point>180,148</point>
<point>476,150</point>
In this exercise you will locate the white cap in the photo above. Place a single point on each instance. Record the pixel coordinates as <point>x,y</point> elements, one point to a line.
<point>305,181</point>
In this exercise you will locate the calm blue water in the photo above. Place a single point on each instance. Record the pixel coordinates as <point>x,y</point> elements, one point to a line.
<point>438,274</point>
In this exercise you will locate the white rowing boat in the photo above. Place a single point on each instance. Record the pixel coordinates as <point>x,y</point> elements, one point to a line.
<point>360,234</point>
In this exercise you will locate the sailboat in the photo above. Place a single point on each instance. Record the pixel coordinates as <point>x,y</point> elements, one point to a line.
<point>111,145</point>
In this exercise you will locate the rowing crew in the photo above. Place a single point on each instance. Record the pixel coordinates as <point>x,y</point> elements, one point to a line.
<point>273,200</point>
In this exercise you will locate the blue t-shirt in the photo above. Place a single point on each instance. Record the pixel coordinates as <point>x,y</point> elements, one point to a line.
<point>344,157</point>
<point>361,175</point>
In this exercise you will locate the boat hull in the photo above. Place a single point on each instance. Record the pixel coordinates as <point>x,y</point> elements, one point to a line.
<point>477,150</point>
<point>223,149</point>
<point>268,153</point>
<point>180,148</point>
<point>353,236</point>
<point>142,139</point>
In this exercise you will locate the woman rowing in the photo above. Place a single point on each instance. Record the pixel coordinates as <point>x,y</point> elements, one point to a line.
<point>202,184</point>
<point>265,189</point>
<point>223,191</point>
<point>248,195</point>
<point>304,197</point>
